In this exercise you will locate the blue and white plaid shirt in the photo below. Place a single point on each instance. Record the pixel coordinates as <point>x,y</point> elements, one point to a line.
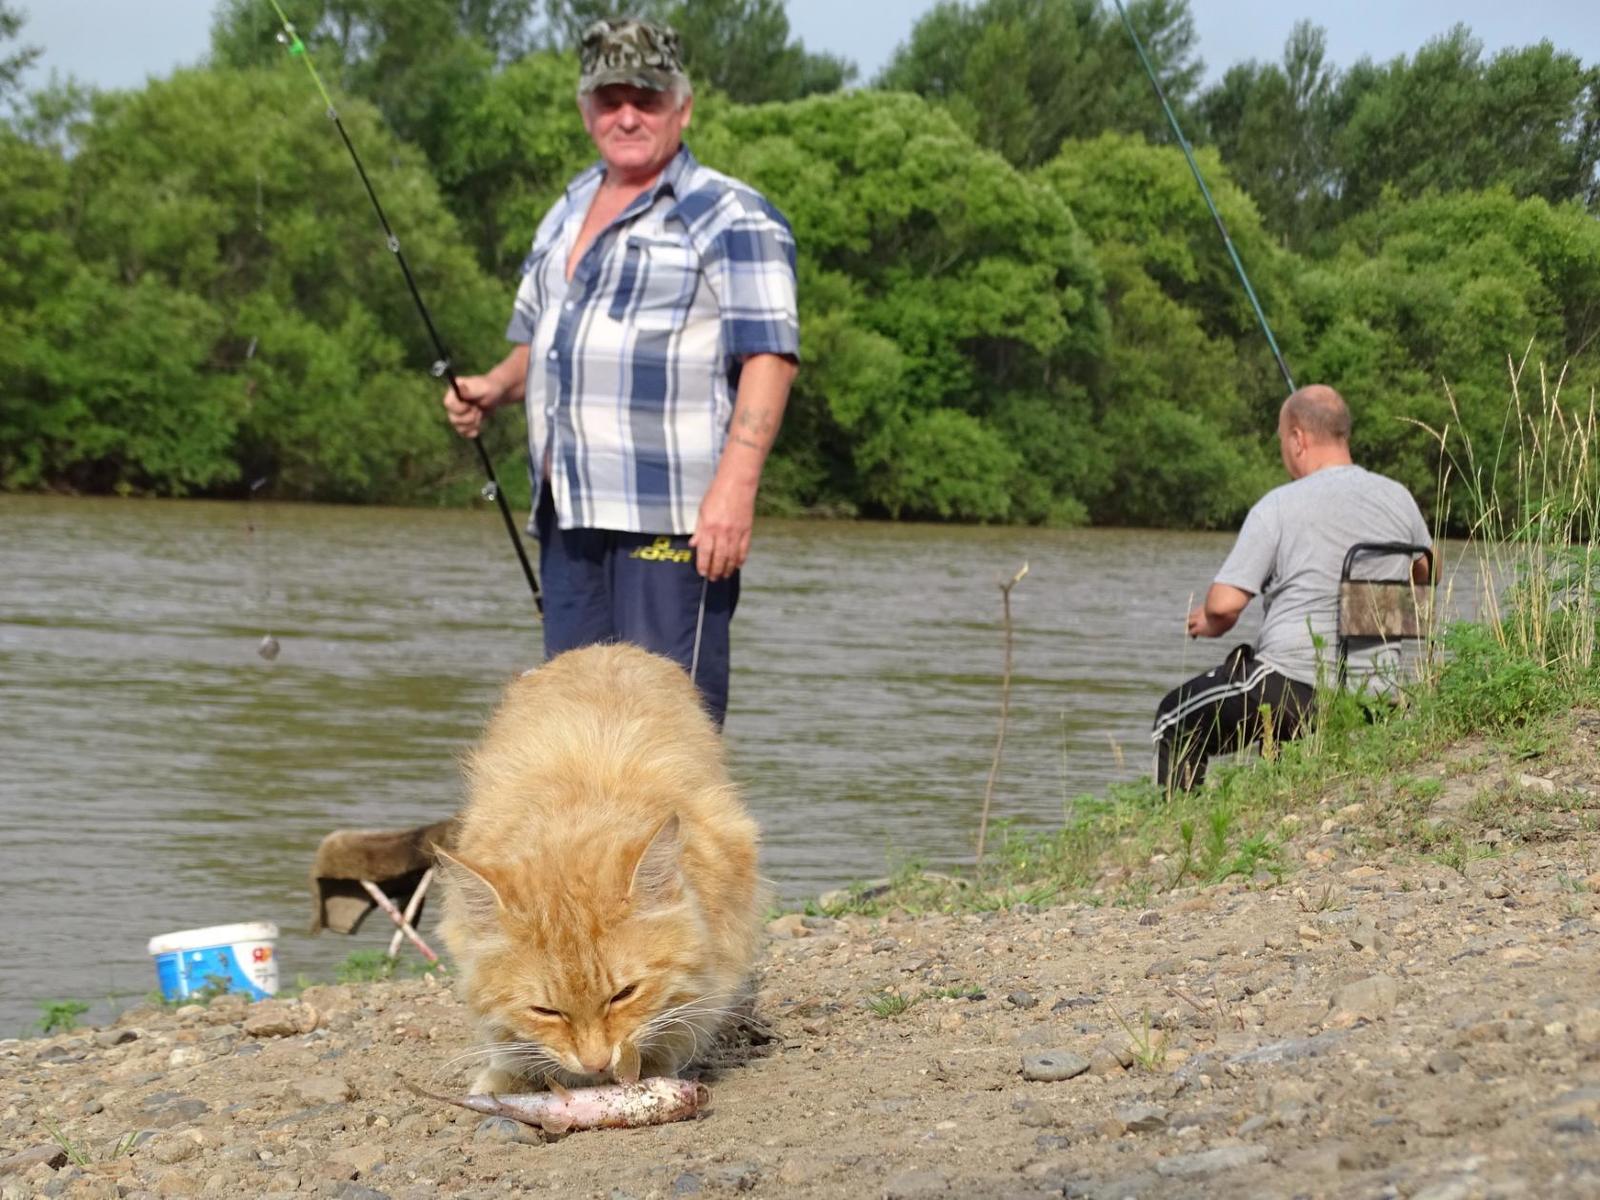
<point>633,365</point>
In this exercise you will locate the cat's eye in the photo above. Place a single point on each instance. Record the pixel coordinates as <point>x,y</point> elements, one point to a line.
<point>545,1012</point>
<point>625,993</point>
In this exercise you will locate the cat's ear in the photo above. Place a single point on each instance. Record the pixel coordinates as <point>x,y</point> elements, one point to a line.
<point>656,882</point>
<point>479,896</point>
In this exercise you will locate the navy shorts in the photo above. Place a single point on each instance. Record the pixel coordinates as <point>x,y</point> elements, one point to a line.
<point>602,585</point>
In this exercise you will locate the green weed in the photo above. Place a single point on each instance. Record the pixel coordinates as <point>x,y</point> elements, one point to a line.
<point>366,966</point>
<point>75,1154</point>
<point>889,1004</point>
<point>959,992</point>
<point>1145,1041</point>
<point>59,1016</point>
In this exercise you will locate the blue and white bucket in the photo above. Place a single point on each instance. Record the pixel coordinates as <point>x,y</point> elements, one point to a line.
<point>236,958</point>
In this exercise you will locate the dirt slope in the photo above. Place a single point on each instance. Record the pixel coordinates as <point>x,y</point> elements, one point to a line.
<point>1381,1025</point>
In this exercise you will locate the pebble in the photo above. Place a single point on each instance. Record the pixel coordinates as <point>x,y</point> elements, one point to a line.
<point>1365,936</point>
<point>503,1129</point>
<point>1367,1000</point>
<point>1053,1066</point>
<point>1070,1002</point>
<point>739,1177</point>
<point>279,1018</point>
<point>1110,1058</point>
<point>1020,999</point>
<point>187,1056</point>
<point>1206,1162</point>
<point>1035,1115</point>
<point>1445,1062</point>
<point>50,1154</point>
<point>323,1089</point>
<point>1143,1118</point>
<point>1586,1025</point>
<point>913,1185</point>
<point>788,926</point>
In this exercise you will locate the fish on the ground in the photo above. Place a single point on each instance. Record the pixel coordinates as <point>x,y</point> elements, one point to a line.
<point>657,1100</point>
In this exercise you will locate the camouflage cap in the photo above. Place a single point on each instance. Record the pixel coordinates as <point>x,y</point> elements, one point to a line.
<point>639,53</point>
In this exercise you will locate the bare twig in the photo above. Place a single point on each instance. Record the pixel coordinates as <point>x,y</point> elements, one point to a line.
<point>1005,709</point>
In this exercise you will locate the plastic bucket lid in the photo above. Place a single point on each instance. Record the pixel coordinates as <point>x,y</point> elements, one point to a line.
<point>215,935</point>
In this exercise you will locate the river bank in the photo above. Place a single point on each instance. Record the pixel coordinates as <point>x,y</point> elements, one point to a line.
<point>1375,1016</point>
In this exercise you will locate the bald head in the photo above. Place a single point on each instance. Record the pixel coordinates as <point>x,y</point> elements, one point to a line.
<point>1319,413</point>
<point>1314,431</point>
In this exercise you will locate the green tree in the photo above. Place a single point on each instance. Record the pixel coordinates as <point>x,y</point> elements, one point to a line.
<point>1023,75</point>
<point>17,61</point>
<point>228,302</point>
<point>1189,393</point>
<point>1274,126</point>
<point>1446,292</point>
<point>419,61</point>
<point>940,291</point>
<point>1528,119</point>
<point>509,152</point>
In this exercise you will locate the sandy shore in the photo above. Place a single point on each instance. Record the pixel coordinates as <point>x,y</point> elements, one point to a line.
<point>1380,1024</point>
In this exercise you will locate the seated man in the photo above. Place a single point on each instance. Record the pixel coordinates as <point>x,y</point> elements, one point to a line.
<point>1290,551</point>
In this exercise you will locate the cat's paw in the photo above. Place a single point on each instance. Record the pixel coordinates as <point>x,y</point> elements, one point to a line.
<point>496,1081</point>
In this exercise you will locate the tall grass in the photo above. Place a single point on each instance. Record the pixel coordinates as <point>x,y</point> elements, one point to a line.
<point>1530,504</point>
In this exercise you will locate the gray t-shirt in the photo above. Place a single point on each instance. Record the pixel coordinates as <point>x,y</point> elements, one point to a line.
<point>1291,549</point>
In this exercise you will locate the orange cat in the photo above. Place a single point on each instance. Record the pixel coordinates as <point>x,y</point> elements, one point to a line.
<point>602,903</point>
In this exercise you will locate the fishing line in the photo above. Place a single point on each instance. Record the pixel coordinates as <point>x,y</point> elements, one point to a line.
<point>1188,153</point>
<point>441,368</point>
<point>268,647</point>
<point>699,624</point>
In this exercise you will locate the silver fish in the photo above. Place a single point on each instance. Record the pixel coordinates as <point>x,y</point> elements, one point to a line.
<point>654,1101</point>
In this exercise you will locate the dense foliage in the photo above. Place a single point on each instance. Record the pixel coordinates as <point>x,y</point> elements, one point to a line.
<point>1015,303</point>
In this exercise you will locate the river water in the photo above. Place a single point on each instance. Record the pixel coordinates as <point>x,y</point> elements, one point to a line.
<point>157,774</point>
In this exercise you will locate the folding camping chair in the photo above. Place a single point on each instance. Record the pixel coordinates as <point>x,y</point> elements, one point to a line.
<point>1379,612</point>
<point>357,870</point>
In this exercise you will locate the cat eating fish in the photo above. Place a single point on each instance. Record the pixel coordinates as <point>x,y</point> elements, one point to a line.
<point>602,901</point>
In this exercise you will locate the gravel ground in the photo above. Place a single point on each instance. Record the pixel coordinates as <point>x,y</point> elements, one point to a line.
<point>1379,1025</point>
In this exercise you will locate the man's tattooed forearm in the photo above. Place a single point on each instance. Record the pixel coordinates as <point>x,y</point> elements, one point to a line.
<point>755,421</point>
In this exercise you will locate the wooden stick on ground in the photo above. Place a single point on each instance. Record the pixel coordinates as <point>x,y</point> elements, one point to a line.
<point>1005,708</point>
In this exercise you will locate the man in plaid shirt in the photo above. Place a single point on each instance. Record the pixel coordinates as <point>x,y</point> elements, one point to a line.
<point>655,337</point>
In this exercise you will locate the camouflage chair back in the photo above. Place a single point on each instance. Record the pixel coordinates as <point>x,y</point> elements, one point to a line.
<point>1381,612</point>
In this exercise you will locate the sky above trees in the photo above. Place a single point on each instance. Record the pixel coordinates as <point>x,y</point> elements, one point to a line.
<point>109,43</point>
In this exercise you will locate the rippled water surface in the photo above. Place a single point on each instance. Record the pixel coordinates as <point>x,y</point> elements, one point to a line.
<point>157,774</point>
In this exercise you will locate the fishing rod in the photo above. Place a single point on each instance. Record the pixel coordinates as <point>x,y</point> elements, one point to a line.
<point>441,368</point>
<point>1188,153</point>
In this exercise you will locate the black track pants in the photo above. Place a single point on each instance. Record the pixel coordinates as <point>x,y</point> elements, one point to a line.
<point>1221,711</point>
